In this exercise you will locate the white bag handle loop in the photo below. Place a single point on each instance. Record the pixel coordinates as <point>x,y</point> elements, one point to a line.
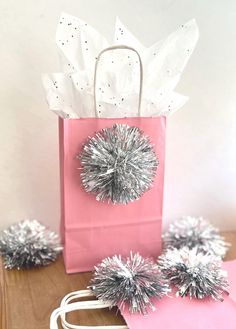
<point>65,307</point>
<point>140,71</point>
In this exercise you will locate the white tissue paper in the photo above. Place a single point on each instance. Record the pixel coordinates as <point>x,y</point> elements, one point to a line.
<point>70,93</point>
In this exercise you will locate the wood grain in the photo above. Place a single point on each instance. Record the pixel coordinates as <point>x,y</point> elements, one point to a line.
<point>28,297</point>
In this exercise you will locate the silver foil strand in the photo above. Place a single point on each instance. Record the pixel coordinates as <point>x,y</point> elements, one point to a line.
<point>131,282</point>
<point>195,232</point>
<point>194,274</point>
<point>28,244</point>
<point>118,164</point>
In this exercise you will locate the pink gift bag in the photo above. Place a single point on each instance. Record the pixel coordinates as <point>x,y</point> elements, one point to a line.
<point>92,230</point>
<point>183,313</point>
<point>171,312</point>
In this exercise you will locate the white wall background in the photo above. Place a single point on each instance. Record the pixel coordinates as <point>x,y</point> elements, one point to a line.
<point>201,138</point>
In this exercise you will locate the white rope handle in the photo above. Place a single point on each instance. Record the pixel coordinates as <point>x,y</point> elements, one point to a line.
<point>140,71</point>
<point>65,307</point>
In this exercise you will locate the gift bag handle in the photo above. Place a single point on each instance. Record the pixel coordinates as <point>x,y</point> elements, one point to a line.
<point>140,71</point>
<point>66,307</point>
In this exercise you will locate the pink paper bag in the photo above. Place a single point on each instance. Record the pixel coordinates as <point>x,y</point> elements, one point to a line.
<point>183,313</point>
<point>93,230</point>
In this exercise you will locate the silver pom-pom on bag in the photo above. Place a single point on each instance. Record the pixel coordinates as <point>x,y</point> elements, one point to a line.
<point>194,274</point>
<point>118,164</point>
<point>131,282</point>
<point>28,244</point>
<point>197,233</point>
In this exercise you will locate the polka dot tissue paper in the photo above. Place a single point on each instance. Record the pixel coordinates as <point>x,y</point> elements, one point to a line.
<point>70,92</point>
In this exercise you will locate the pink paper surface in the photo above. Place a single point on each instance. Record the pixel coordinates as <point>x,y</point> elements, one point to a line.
<point>183,313</point>
<point>92,230</point>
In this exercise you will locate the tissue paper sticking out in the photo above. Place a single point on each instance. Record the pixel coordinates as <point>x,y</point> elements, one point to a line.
<point>70,92</point>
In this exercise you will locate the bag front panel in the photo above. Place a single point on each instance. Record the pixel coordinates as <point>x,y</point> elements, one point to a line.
<point>94,230</point>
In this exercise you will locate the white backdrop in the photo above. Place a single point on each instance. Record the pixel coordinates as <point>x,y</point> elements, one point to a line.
<point>201,137</point>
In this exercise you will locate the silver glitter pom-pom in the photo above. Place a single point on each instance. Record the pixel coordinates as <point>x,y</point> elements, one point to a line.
<point>118,164</point>
<point>194,232</point>
<point>194,274</point>
<point>28,244</point>
<point>133,282</point>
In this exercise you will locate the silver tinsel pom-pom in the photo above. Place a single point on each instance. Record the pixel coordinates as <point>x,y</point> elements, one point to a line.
<point>194,232</point>
<point>133,282</point>
<point>194,274</point>
<point>118,164</point>
<point>28,244</point>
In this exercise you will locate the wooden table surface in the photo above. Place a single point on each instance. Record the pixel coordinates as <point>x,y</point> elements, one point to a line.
<point>27,297</point>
